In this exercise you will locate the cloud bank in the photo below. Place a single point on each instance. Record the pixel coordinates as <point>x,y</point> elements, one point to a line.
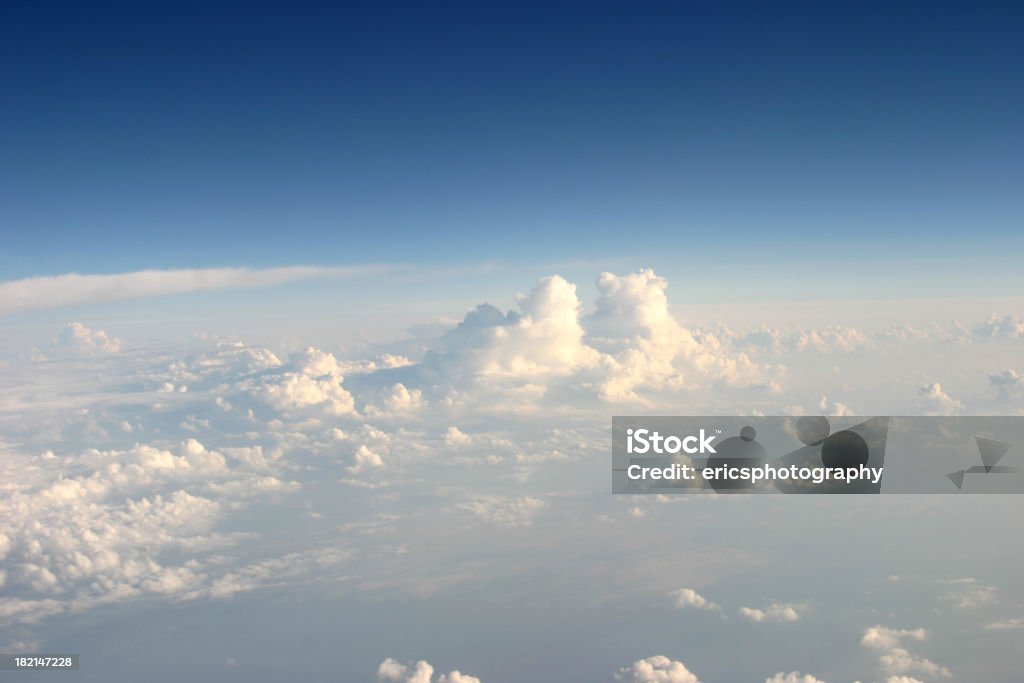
<point>73,289</point>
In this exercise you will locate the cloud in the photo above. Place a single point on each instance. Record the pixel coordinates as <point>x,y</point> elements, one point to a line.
<point>656,669</point>
<point>629,346</point>
<point>970,594</point>
<point>509,512</point>
<point>830,339</point>
<point>455,437</point>
<point>543,338</point>
<point>95,527</point>
<point>73,289</point>
<point>1005,624</point>
<point>687,597</point>
<point>392,671</point>
<point>312,380</point>
<point>778,612</point>
<point>793,677</point>
<point>364,459</point>
<point>1008,327</point>
<point>79,339</point>
<point>1007,383</point>
<point>935,401</point>
<point>896,659</point>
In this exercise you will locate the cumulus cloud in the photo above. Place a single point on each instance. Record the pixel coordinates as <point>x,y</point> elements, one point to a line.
<point>656,669</point>
<point>1005,624</point>
<point>365,459</point>
<point>1007,326</point>
<point>1008,383</point>
<point>628,346</point>
<point>116,529</point>
<point>793,677</point>
<point>830,339</point>
<point>312,380</point>
<point>777,612</point>
<point>543,338</point>
<point>397,400</point>
<point>935,401</point>
<point>894,658</point>
<point>969,593</point>
<point>79,339</point>
<point>502,511</point>
<point>392,671</point>
<point>646,347</point>
<point>456,437</point>
<point>73,289</point>
<point>687,597</point>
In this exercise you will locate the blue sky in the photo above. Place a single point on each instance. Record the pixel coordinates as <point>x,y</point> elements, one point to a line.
<point>140,136</point>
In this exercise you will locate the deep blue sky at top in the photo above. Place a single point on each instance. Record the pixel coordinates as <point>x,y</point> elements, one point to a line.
<point>144,135</point>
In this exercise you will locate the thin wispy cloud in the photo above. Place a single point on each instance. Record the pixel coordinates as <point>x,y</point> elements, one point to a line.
<point>72,289</point>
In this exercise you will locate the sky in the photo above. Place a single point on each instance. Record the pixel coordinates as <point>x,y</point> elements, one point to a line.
<point>177,136</point>
<point>313,320</point>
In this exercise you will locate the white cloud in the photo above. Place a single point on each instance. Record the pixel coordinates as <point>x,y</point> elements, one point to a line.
<point>544,337</point>
<point>970,594</point>
<point>392,671</point>
<point>78,339</point>
<point>883,638</point>
<point>397,400</point>
<point>777,611</point>
<point>687,597</point>
<point>793,677</point>
<point>73,289</point>
<point>656,669</point>
<point>1005,624</point>
<point>365,459</point>
<point>1008,326</point>
<point>456,437</point>
<point>501,511</point>
<point>935,401</point>
<point>895,659</point>
<point>1008,383</point>
<point>312,380</point>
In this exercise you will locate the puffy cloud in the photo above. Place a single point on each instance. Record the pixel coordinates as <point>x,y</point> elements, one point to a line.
<point>830,339</point>
<point>630,345</point>
<point>970,594</point>
<point>656,669</point>
<point>313,380</point>
<point>397,400</point>
<point>1007,383</point>
<point>313,362</point>
<point>455,437</point>
<point>1008,326</point>
<point>117,529</point>
<point>687,597</point>
<point>77,339</point>
<point>935,401</point>
<point>883,638</point>
<point>896,659</point>
<point>1005,624</point>
<point>777,611</point>
<point>830,408</point>
<point>393,671</point>
<point>365,459</point>
<point>510,512</point>
<point>793,677</point>
<point>544,337</point>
